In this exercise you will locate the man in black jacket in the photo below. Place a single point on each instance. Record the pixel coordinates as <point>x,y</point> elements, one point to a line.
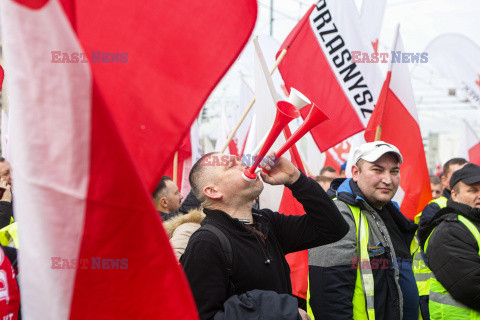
<point>452,249</point>
<point>434,206</point>
<point>260,239</point>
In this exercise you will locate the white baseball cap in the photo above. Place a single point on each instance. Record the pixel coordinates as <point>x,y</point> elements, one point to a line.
<point>372,151</point>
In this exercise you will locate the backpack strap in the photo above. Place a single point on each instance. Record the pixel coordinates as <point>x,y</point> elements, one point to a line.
<point>227,250</point>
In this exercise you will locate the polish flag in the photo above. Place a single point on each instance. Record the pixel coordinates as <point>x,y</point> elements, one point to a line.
<point>371,14</point>
<point>89,141</point>
<point>470,144</point>
<point>319,64</point>
<point>396,113</point>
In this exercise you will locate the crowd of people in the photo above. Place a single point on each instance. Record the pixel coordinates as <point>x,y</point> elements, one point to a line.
<point>366,260</point>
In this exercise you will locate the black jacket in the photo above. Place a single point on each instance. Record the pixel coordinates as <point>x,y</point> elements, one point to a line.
<point>204,261</point>
<point>431,209</point>
<point>190,203</point>
<point>452,252</point>
<point>259,305</point>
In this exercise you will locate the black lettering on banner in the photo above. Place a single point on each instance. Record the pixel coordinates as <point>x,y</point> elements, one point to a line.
<point>350,69</point>
<point>342,61</point>
<point>325,32</point>
<point>366,111</point>
<point>356,86</point>
<point>334,42</point>
<point>331,42</point>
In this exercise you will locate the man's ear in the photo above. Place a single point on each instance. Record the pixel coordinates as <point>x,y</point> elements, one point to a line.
<point>212,192</point>
<point>454,195</point>
<point>163,202</point>
<point>444,182</point>
<point>355,172</point>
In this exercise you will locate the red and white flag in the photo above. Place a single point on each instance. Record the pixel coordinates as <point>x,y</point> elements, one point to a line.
<point>90,138</point>
<point>455,56</point>
<point>396,113</point>
<point>371,15</point>
<point>470,144</point>
<point>319,64</point>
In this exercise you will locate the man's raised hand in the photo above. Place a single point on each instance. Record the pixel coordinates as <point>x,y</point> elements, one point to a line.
<point>280,171</point>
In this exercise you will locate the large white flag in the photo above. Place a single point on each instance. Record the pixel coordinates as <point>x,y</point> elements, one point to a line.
<point>372,16</point>
<point>457,58</point>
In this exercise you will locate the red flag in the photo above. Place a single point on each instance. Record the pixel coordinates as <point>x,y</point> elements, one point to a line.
<point>319,64</point>
<point>110,93</point>
<point>396,113</point>
<point>298,261</point>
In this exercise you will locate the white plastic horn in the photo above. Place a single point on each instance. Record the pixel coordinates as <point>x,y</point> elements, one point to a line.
<point>298,99</point>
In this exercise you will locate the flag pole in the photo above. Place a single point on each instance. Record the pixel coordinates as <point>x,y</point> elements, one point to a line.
<point>378,131</point>
<point>247,110</point>
<point>306,167</point>
<point>175,166</point>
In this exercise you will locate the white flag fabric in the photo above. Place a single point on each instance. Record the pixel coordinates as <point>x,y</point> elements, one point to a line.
<point>371,14</point>
<point>4,139</point>
<point>469,144</point>
<point>456,57</point>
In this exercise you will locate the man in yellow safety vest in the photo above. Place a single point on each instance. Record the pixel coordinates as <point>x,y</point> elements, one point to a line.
<point>451,242</point>
<point>368,273</point>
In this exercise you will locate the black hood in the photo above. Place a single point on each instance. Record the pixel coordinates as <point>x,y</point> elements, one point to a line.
<point>332,191</point>
<point>448,213</point>
<point>446,193</point>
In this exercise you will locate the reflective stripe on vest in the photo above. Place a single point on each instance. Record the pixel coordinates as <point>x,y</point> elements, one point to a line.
<point>364,283</point>
<point>8,235</point>
<point>420,270</point>
<point>363,295</point>
<point>441,304</point>
<point>440,201</point>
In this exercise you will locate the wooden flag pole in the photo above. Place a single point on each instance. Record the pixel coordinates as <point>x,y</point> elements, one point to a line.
<point>175,167</point>
<point>234,131</point>
<point>378,133</point>
<point>309,173</point>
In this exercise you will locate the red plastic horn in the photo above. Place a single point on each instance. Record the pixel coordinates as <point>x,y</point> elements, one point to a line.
<point>314,118</point>
<point>286,112</point>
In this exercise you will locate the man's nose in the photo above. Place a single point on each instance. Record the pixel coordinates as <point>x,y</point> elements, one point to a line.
<point>387,178</point>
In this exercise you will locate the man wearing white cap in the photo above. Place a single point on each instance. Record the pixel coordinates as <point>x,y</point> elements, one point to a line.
<point>368,273</point>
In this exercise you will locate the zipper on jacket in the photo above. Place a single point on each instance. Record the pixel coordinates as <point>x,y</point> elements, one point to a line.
<point>267,258</point>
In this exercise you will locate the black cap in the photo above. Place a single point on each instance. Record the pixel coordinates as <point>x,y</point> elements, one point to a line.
<point>469,174</point>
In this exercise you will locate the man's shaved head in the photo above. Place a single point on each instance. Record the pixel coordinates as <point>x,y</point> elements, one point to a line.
<point>217,179</point>
<point>199,176</point>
